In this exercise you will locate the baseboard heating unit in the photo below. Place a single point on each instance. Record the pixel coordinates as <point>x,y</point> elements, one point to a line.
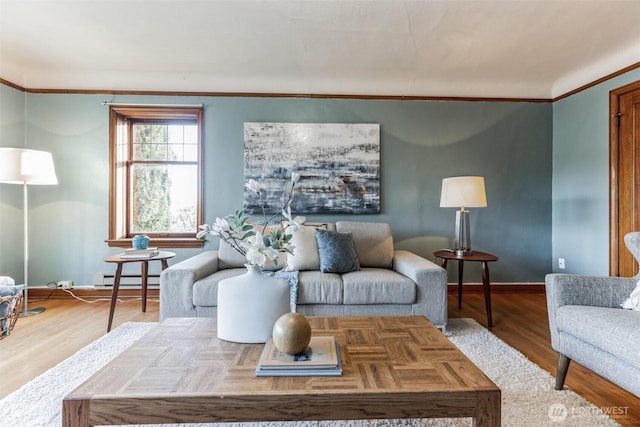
<point>105,280</point>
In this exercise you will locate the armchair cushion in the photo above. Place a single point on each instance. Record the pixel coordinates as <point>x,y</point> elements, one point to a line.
<point>605,328</point>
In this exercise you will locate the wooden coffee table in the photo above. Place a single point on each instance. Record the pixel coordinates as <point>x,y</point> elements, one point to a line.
<point>179,372</point>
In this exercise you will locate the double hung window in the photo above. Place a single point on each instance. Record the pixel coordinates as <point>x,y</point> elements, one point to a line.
<point>156,176</point>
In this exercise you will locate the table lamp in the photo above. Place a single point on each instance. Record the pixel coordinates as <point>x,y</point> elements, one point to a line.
<point>26,167</point>
<point>463,192</point>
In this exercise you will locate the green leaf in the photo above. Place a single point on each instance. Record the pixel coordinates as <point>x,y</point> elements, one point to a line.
<point>247,235</point>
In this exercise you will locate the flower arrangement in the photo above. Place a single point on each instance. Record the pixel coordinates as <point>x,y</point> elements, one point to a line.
<point>258,246</point>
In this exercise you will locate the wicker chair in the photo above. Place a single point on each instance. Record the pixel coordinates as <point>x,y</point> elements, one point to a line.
<point>11,299</point>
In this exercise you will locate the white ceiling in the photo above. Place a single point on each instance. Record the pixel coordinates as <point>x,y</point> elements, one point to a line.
<point>508,48</point>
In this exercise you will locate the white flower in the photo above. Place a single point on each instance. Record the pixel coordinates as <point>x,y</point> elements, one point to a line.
<point>204,230</point>
<point>221,227</point>
<point>295,223</point>
<point>254,257</point>
<point>253,185</point>
<point>258,252</point>
<point>242,237</point>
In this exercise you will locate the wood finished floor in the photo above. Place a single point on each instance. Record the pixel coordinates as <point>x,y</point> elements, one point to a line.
<point>39,342</point>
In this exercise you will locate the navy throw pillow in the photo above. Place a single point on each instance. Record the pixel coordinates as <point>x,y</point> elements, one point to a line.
<point>337,252</point>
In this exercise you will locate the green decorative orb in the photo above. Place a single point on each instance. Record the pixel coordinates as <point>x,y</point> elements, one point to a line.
<point>292,333</point>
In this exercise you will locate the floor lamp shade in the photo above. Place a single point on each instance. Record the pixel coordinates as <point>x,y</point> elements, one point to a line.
<point>23,166</point>
<point>26,167</point>
<point>463,192</point>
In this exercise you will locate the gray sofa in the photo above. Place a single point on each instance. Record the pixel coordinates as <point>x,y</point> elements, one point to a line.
<point>588,325</point>
<point>389,282</point>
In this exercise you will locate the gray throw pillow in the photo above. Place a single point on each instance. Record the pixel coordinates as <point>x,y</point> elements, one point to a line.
<point>337,252</point>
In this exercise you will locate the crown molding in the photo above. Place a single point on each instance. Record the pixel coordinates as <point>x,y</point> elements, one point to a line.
<point>319,96</point>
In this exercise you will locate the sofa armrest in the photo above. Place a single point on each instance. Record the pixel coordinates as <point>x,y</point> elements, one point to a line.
<point>574,289</point>
<point>176,284</point>
<point>431,281</point>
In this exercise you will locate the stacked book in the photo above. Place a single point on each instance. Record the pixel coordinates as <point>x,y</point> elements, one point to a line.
<point>139,253</point>
<point>320,359</point>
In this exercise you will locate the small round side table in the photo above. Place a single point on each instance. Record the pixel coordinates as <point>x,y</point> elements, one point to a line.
<point>162,256</point>
<point>475,256</point>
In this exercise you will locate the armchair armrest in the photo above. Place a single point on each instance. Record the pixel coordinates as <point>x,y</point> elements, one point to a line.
<point>176,284</point>
<point>431,281</point>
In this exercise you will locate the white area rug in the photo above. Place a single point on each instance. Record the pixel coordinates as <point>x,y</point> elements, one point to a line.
<point>528,395</point>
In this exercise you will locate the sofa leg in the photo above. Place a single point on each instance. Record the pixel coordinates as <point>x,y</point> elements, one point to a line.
<point>563,367</point>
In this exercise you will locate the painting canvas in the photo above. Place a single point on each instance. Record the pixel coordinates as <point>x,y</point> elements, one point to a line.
<point>338,164</point>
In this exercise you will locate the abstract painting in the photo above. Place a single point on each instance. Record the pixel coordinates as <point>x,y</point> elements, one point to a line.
<point>338,165</point>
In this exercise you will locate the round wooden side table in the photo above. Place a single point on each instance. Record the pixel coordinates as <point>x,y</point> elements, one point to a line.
<point>162,256</point>
<point>476,256</point>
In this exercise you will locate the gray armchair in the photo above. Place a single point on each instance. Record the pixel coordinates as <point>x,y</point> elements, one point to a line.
<point>589,326</point>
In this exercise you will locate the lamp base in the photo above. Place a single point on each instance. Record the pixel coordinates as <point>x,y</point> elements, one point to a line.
<point>462,244</point>
<point>32,311</point>
<point>461,252</point>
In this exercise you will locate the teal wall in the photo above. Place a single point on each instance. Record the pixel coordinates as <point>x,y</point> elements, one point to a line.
<point>581,178</point>
<point>509,143</point>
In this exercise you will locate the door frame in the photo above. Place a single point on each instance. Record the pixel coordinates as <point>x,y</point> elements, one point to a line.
<point>614,154</point>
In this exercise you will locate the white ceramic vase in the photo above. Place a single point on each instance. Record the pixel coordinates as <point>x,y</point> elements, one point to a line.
<point>249,305</point>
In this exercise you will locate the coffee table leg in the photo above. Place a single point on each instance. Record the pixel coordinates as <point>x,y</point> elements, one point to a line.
<point>460,271</point>
<point>114,294</point>
<point>75,412</point>
<point>486,284</point>
<point>488,410</point>
<point>145,275</point>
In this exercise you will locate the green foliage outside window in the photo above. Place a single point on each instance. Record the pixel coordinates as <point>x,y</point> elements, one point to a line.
<point>151,180</point>
<point>151,197</point>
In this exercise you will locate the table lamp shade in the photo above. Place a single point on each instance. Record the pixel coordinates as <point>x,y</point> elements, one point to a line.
<point>463,191</point>
<point>24,166</point>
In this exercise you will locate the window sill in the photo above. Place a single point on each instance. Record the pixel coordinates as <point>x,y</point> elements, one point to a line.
<point>183,242</point>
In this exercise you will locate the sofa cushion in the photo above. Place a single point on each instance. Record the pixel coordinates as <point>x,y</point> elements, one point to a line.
<point>613,330</point>
<point>378,286</point>
<point>373,242</point>
<point>305,249</point>
<point>315,287</point>
<point>229,257</point>
<point>205,290</point>
<point>337,252</point>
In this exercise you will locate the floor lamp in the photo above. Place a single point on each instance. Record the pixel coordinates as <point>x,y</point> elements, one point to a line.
<point>463,192</point>
<point>26,167</point>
